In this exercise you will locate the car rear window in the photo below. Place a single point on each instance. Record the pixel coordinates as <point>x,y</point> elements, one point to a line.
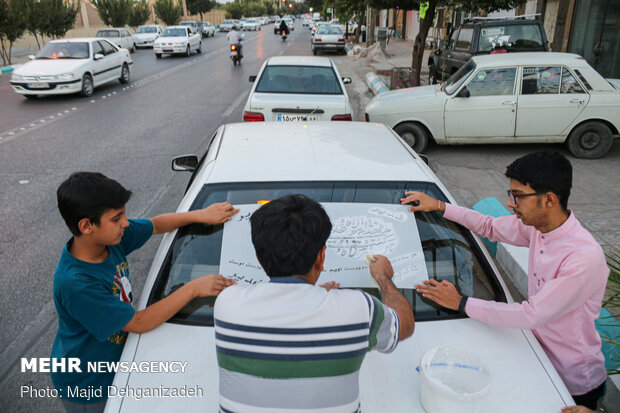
<point>450,252</point>
<point>511,37</point>
<point>108,33</point>
<point>316,80</point>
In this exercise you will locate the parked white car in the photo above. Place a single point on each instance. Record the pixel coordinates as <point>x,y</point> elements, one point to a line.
<point>353,163</point>
<point>328,38</point>
<point>508,98</point>
<point>207,29</point>
<point>298,88</point>
<point>251,24</point>
<point>227,25</point>
<point>119,36</point>
<point>146,35</point>
<point>178,40</point>
<point>70,66</point>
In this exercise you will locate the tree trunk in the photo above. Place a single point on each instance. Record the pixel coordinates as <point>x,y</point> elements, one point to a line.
<point>420,40</point>
<point>3,52</point>
<point>370,28</point>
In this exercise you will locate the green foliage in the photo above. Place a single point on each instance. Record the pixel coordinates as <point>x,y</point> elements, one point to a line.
<point>199,6</point>
<point>114,13</point>
<point>234,10</point>
<point>269,8</point>
<point>253,9</point>
<point>13,23</point>
<point>59,17</point>
<point>140,13</point>
<point>169,12</point>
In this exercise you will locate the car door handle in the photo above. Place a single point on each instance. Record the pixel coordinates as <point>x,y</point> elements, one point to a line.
<point>580,101</point>
<point>509,102</point>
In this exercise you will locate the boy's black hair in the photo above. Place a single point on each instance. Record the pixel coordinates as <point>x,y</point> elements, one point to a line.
<point>288,234</point>
<point>544,171</point>
<point>89,195</point>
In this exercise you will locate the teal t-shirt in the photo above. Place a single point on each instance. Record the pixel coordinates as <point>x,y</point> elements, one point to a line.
<point>93,302</point>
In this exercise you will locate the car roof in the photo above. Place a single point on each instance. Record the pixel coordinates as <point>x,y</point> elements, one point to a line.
<point>176,27</point>
<point>75,40</point>
<point>316,151</point>
<point>299,61</point>
<point>530,59</point>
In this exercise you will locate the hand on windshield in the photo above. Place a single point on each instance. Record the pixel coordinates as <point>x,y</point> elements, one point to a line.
<point>421,202</point>
<point>443,293</point>
<point>210,285</point>
<point>216,213</point>
<point>381,268</point>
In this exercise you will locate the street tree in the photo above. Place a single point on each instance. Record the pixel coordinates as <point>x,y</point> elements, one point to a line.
<point>234,10</point>
<point>140,13</point>
<point>200,6</point>
<point>253,8</point>
<point>59,17</point>
<point>13,22</point>
<point>114,13</point>
<point>169,12</point>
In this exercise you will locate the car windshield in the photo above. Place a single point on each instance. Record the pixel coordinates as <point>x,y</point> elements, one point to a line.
<point>316,80</point>
<point>227,22</point>
<point>68,50</point>
<point>329,30</point>
<point>108,33</point>
<point>187,24</point>
<point>511,37</point>
<point>146,30</point>
<point>450,251</point>
<point>456,80</point>
<point>174,33</point>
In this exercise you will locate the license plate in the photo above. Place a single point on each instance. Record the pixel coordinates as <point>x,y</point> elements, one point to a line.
<point>38,85</point>
<point>168,50</point>
<point>330,45</point>
<point>233,53</point>
<point>285,117</point>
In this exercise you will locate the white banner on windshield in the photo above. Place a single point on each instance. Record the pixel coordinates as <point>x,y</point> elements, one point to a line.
<point>357,230</point>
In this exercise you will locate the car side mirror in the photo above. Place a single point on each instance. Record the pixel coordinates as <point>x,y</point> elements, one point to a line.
<point>346,80</point>
<point>98,56</point>
<point>252,78</point>
<point>31,57</point>
<point>464,93</point>
<point>187,163</point>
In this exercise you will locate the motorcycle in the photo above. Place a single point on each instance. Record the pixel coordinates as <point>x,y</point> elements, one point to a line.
<point>235,54</point>
<point>283,35</point>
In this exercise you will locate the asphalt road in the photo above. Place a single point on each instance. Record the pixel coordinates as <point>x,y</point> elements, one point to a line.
<point>128,132</point>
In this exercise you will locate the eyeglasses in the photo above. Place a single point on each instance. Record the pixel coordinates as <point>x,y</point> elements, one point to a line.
<point>514,197</point>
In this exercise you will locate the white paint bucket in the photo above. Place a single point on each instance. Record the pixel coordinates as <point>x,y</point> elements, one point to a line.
<point>453,380</point>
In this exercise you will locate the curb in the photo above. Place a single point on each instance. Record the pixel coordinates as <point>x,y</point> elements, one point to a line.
<point>375,83</point>
<point>7,69</point>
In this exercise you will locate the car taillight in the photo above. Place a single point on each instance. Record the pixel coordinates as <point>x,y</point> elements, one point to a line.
<point>233,47</point>
<point>366,117</point>
<point>318,39</point>
<point>253,117</point>
<point>341,40</point>
<point>346,116</point>
<point>499,51</point>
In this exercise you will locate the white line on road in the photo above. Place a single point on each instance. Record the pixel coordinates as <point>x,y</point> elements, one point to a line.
<point>236,103</point>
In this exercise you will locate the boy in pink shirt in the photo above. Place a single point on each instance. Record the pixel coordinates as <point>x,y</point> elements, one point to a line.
<point>567,271</point>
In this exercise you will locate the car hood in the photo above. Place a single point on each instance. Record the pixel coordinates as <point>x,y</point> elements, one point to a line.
<point>171,39</point>
<point>145,36</point>
<point>266,103</point>
<point>49,67</point>
<point>523,379</point>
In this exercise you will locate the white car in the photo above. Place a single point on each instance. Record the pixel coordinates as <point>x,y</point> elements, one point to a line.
<point>119,36</point>
<point>146,35</point>
<point>178,40</point>
<point>70,66</point>
<point>329,38</point>
<point>207,29</point>
<point>298,88</point>
<point>228,25</point>
<point>316,26</point>
<point>508,98</point>
<point>354,164</point>
<point>251,24</point>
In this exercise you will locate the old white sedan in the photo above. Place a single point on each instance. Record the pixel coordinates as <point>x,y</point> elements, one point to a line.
<point>70,66</point>
<point>251,163</point>
<point>298,88</point>
<point>508,98</point>
<point>178,40</point>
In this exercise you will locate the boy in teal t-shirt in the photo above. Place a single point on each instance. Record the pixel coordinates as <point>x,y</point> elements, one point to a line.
<point>92,286</point>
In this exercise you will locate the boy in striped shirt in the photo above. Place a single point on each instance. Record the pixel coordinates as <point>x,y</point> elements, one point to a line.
<point>289,345</point>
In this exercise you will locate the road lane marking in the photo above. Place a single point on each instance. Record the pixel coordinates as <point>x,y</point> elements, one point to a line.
<point>236,103</point>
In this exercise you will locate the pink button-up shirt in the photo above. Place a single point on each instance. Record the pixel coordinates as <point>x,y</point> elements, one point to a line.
<point>567,276</point>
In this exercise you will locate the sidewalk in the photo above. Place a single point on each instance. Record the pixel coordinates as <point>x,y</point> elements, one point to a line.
<point>19,55</point>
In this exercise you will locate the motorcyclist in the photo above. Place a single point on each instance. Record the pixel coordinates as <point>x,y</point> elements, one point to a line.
<point>283,27</point>
<point>234,37</point>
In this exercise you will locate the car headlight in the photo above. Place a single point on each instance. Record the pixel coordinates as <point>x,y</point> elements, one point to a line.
<point>17,78</point>
<point>65,76</point>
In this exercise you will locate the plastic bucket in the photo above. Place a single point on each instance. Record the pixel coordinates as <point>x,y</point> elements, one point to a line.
<point>453,380</point>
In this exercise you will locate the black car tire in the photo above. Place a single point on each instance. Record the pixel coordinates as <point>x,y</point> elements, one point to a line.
<point>188,51</point>
<point>199,48</point>
<point>275,31</point>
<point>32,97</point>
<point>414,134</point>
<point>124,74</point>
<point>590,140</point>
<point>87,86</point>
<point>133,48</point>
<point>158,55</point>
<point>314,51</point>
